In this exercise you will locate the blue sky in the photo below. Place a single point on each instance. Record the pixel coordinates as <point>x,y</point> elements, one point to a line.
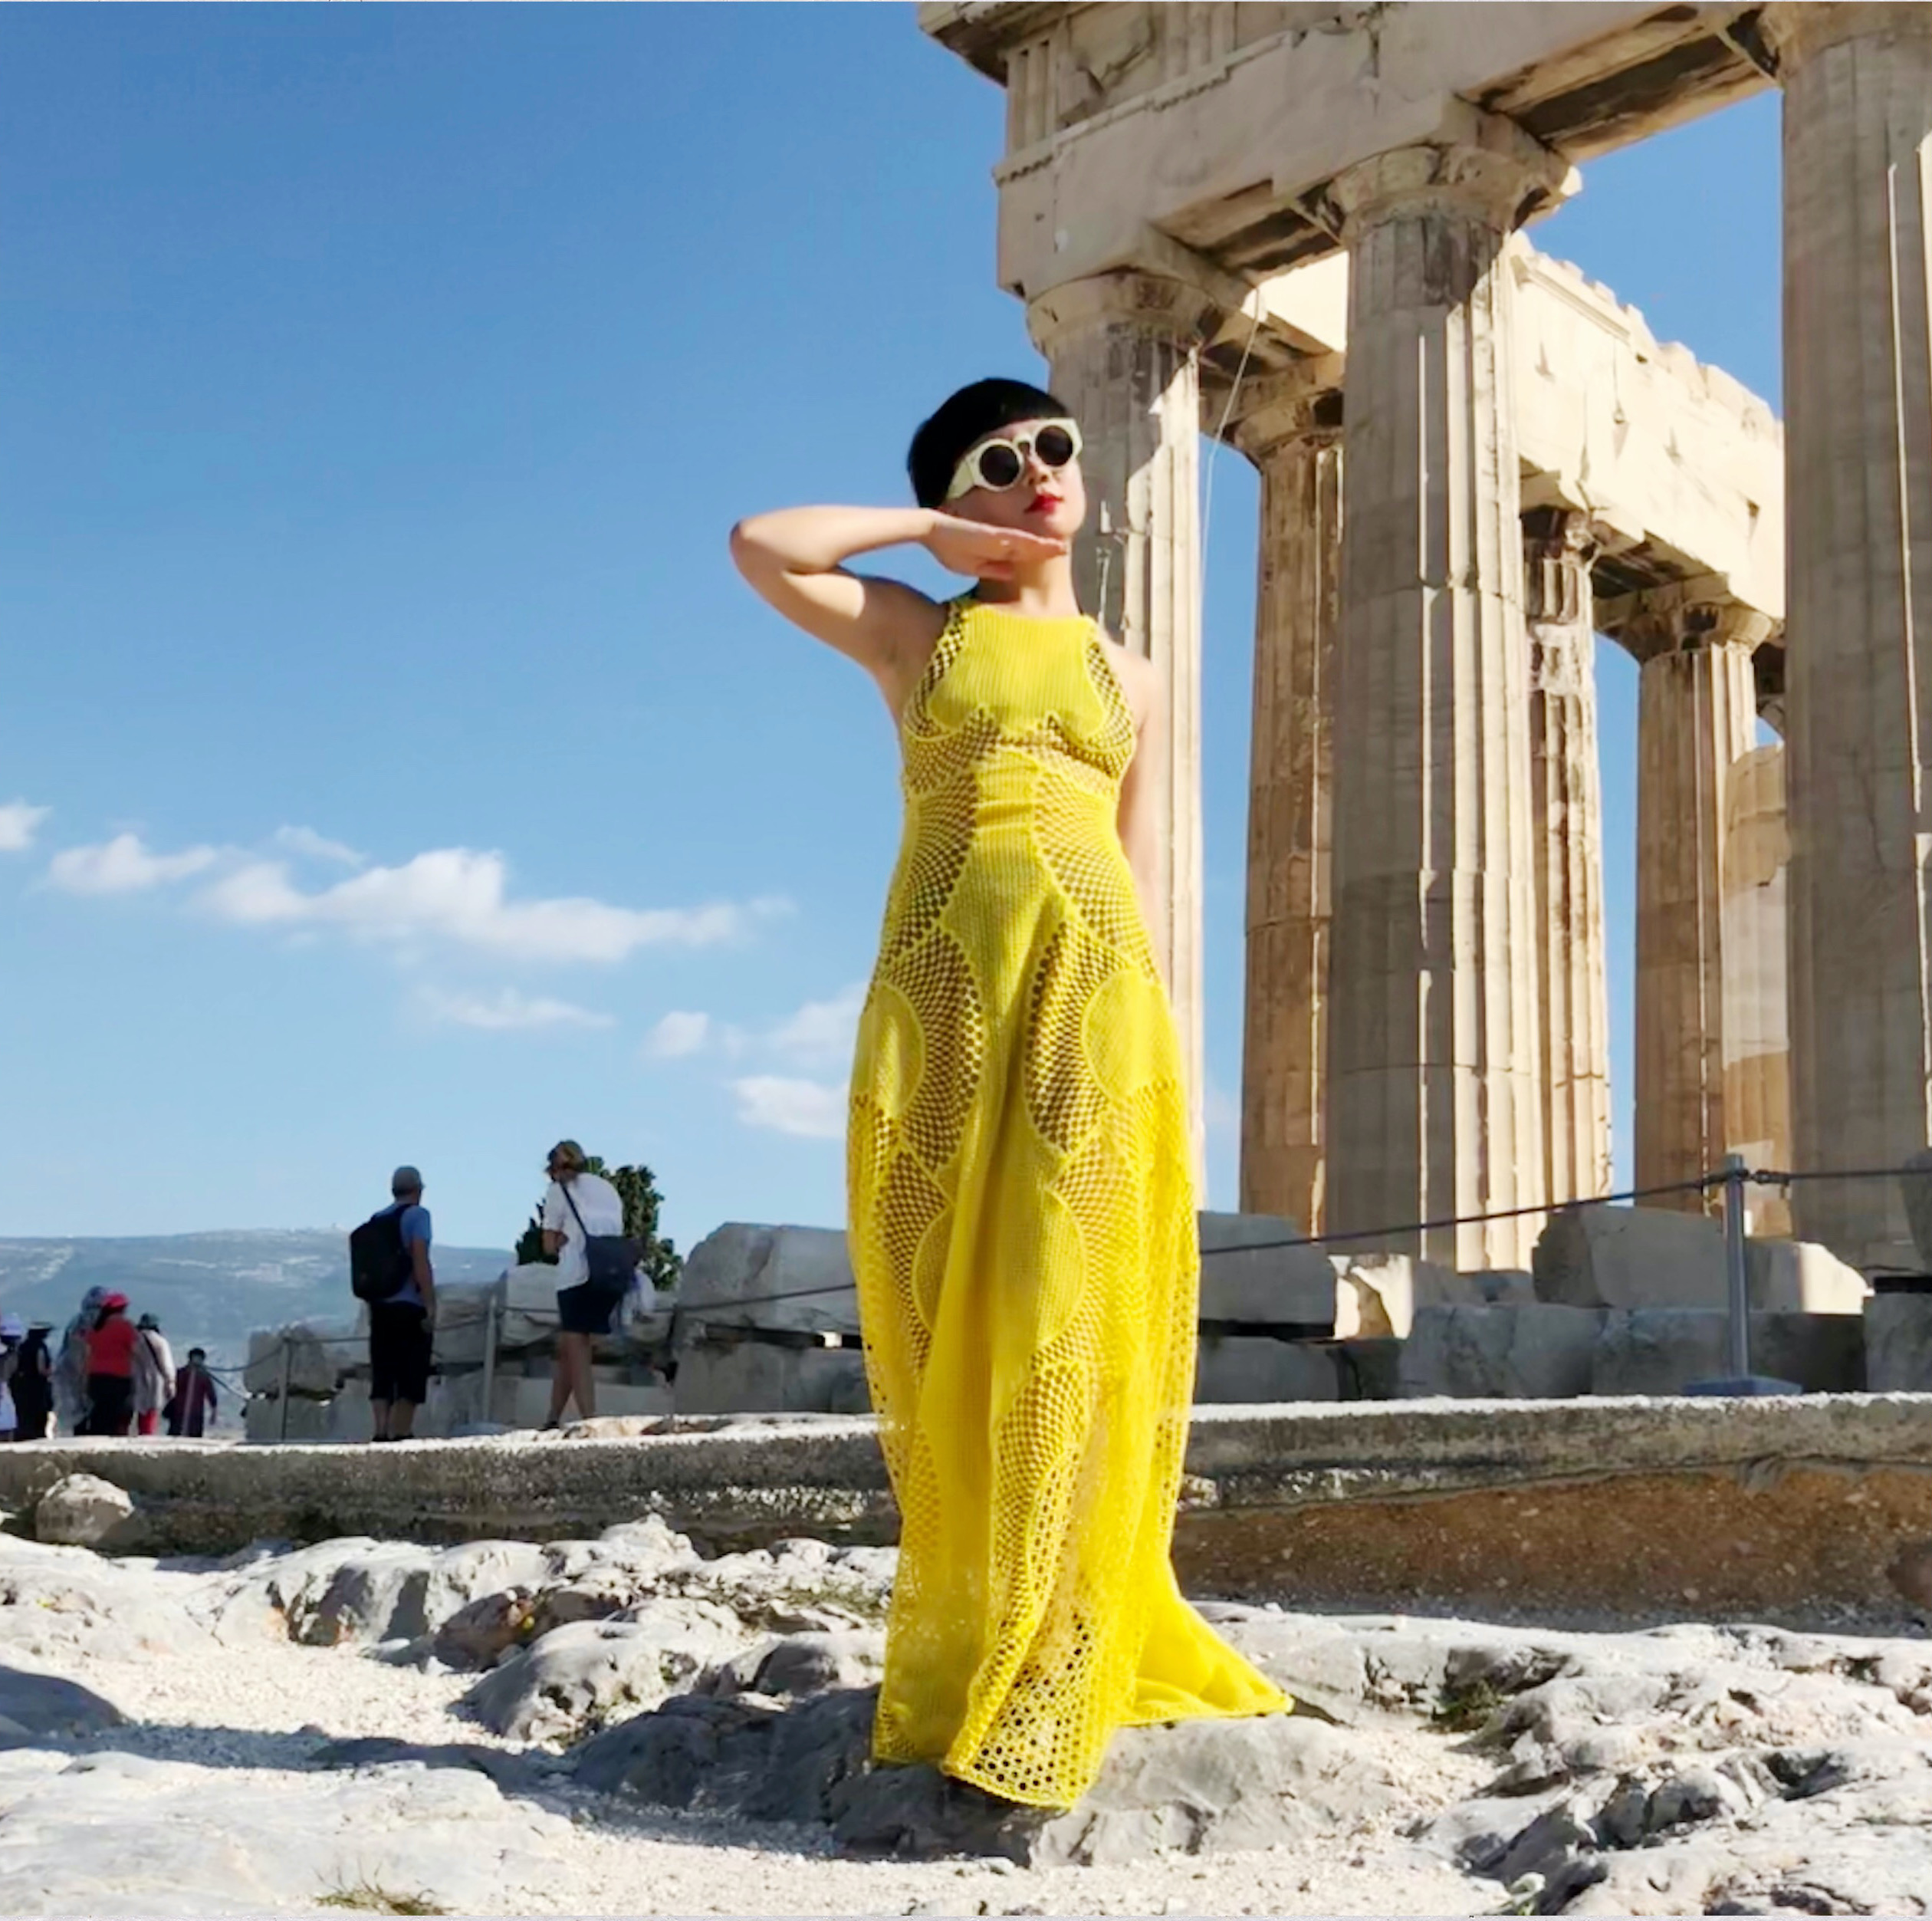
<point>418,782</point>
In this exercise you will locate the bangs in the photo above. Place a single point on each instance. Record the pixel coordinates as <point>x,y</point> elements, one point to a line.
<point>965,419</point>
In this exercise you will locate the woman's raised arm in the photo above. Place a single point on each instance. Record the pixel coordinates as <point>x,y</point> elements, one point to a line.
<point>796,560</point>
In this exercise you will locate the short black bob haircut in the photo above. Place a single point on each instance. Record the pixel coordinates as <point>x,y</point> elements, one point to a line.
<point>964,420</point>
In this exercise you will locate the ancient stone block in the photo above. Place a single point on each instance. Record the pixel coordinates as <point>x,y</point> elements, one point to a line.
<point>1898,1344</point>
<point>747,1275</point>
<point>1255,1369</point>
<point>1662,1351</point>
<point>1915,1189</point>
<point>318,1353</point>
<point>1368,1370</point>
<point>1256,1268</point>
<point>1635,1257</point>
<point>755,1377</point>
<point>1539,1352</point>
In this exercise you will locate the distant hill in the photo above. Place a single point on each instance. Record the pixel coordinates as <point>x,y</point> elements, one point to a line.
<point>208,1290</point>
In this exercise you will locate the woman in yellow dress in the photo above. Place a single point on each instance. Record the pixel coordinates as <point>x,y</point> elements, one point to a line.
<point>1021,1212</point>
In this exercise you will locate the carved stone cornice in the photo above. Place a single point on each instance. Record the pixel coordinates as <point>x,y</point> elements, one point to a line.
<point>1798,29</point>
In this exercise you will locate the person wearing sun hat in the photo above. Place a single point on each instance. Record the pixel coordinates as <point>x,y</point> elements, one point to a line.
<point>111,1368</point>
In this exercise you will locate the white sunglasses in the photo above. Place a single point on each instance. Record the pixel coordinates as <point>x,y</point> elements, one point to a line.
<point>997,462</point>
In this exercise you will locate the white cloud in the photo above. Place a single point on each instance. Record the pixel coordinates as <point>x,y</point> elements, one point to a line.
<point>677,1036</point>
<point>124,865</point>
<point>457,895</point>
<point>807,1108</point>
<point>18,820</point>
<point>317,846</point>
<point>821,1033</point>
<point>508,1011</point>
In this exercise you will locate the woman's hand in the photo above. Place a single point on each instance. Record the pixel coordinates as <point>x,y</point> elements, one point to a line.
<point>980,552</point>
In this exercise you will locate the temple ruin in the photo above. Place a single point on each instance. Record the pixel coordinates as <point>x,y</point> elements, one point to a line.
<point>1297,226</point>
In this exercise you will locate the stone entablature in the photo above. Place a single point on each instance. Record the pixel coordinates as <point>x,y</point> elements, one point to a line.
<point>1278,99</point>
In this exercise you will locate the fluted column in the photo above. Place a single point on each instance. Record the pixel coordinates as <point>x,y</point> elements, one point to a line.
<point>1290,425</point>
<point>1566,829</point>
<point>1858,358</point>
<point>1757,1021</point>
<point>1435,1103</point>
<point>1696,714</point>
<point>1121,348</point>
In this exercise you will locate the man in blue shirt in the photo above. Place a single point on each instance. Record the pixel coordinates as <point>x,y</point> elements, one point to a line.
<point>401,1328</point>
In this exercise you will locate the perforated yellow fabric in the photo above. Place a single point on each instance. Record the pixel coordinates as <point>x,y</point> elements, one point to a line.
<point>1022,1231</point>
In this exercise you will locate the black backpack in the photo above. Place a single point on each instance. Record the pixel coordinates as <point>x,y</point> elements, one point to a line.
<point>379,1265</point>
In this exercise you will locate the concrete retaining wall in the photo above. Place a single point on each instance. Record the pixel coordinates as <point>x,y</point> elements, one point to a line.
<point>1710,1508</point>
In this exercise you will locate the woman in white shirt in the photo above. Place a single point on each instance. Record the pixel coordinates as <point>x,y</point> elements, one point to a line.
<point>578,1204</point>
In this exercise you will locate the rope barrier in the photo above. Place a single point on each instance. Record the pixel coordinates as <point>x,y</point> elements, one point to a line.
<point>1758,1176</point>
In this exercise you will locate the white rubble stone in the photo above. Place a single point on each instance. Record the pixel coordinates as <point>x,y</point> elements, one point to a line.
<point>81,1509</point>
<point>1376,1295</point>
<point>575,1677</point>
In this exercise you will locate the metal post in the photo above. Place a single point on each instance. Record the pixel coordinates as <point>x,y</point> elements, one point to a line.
<point>489,1359</point>
<point>1738,1378</point>
<point>1737,1334</point>
<point>286,1352</point>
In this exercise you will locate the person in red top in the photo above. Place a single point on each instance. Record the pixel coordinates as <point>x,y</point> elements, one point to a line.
<point>111,1368</point>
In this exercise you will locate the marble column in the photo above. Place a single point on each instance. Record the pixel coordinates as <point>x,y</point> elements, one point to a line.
<point>1290,425</point>
<point>1122,349</point>
<point>1696,714</point>
<point>1858,403</point>
<point>1434,1097</point>
<point>1757,1021</point>
<point>1566,829</point>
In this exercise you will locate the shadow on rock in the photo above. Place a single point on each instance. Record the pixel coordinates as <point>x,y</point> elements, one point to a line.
<point>40,1710</point>
<point>1205,1785</point>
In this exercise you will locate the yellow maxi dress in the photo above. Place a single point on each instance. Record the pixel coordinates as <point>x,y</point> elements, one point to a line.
<point>1023,1233</point>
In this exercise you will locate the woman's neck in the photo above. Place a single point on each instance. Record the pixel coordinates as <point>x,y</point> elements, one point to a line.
<point>1044,593</point>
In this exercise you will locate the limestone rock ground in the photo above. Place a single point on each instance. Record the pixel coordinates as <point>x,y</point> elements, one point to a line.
<point>618,1726</point>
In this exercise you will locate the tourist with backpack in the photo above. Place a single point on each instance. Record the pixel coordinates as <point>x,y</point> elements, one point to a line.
<point>583,1229</point>
<point>389,1267</point>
